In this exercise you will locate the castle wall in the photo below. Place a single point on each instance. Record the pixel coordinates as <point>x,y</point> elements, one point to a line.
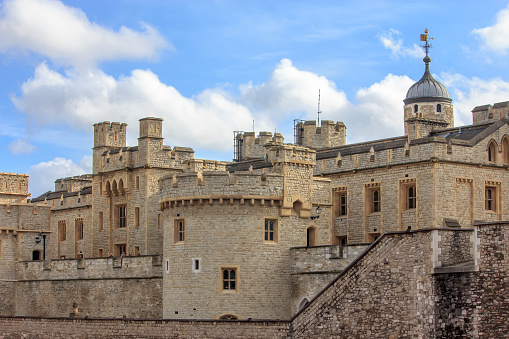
<point>313,268</point>
<point>327,135</point>
<point>121,328</point>
<point>13,187</point>
<point>109,287</point>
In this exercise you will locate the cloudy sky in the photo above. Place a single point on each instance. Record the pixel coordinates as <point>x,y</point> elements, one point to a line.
<point>209,68</point>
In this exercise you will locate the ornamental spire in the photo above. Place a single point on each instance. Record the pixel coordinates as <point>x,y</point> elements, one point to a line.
<point>426,46</point>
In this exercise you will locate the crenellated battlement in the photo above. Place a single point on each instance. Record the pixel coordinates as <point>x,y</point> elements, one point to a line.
<point>291,154</point>
<point>329,134</point>
<point>248,146</point>
<point>198,165</point>
<point>73,184</point>
<point>487,113</point>
<point>108,134</point>
<point>13,187</point>
<point>191,188</point>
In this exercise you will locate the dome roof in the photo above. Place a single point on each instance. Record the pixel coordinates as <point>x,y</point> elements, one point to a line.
<point>427,89</point>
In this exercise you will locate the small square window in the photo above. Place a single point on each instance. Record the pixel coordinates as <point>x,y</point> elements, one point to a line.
<point>196,265</point>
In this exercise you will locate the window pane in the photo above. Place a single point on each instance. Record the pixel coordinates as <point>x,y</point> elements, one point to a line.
<point>225,285</point>
<point>225,274</point>
<point>232,274</point>
<point>232,285</point>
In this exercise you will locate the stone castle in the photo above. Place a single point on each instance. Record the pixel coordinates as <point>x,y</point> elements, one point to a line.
<point>400,237</point>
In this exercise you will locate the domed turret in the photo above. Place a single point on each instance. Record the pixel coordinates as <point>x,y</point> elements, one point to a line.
<point>427,88</point>
<point>428,106</point>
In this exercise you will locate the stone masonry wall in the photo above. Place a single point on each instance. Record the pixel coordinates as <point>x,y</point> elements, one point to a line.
<point>122,328</point>
<point>109,287</point>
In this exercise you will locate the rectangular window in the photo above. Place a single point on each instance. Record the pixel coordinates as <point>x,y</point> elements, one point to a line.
<point>342,205</point>
<point>411,197</point>
<point>376,200</point>
<point>137,217</point>
<point>62,228</point>
<point>490,198</point>
<point>78,227</point>
<point>196,265</point>
<point>137,250</point>
<point>100,253</point>
<point>101,221</point>
<point>179,231</point>
<point>121,213</point>
<point>373,202</point>
<point>340,201</point>
<point>270,231</point>
<point>137,182</point>
<point>159,220</point>
<point>120,250</point>
<point>229,279</point>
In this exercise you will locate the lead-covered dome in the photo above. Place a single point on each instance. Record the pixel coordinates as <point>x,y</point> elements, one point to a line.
<point>427,89</point>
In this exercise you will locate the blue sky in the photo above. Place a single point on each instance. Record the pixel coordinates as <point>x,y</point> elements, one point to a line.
<point>211,67</point>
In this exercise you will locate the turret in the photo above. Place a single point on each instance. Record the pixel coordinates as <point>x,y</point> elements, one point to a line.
<point>107,135</point>
<point>428,106</point>
<point>151,138</point>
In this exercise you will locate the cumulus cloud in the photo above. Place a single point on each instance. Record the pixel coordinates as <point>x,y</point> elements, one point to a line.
<point>20,146</point>
<point>206,121</point>
<point>392,41</point>
<point>289,92</point>
<point>65,34</point>
<point>472,92</point>
<point>496,37</point>
<point>44,174</point>
<point>80,99</point>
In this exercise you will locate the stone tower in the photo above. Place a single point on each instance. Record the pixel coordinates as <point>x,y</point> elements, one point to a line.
<point>107,135</point>
<point>428,106</point>
<point>150,140</point>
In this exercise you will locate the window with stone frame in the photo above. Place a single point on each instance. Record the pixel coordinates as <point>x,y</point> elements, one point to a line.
<point>340,201</point>
<point>505,150</point>
<point>408,194</point>
<point>78,228</point>
<point>62,230</point>
<point>270,232</point>
<point>119,250</point>
<point>491,198</point>
<point>137,183</point>
<point>179,231</point>
<point>121,216</point>
<point>373,198</point>
<point>229,279</point>
<point>492,151</point>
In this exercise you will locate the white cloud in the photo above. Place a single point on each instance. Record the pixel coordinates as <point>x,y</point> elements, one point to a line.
<point>44,174</point>
<point>472,92</point>
<point>496,37</point>
<point>206,121</point>
<point>391,40</point>
<point>65,34</point>
<point>19,146</point>
<point>290,92</point>
<point>80,99</point>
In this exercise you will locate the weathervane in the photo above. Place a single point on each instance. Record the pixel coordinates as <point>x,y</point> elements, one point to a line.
<point>318,124</point>
<point>424,37</point>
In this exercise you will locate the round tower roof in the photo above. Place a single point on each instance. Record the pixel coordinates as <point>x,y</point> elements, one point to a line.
<point>427,89</point>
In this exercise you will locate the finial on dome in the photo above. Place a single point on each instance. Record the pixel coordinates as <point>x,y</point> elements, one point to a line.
<point>426,46</point>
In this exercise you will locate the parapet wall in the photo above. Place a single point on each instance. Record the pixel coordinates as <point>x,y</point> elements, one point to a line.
<point>13,187</point>
<point>329,134</point>
<point>486,113</point>
<point>73,184</point>
<point>249,146</point>
<point>218,184</point>
<point>104,287</point>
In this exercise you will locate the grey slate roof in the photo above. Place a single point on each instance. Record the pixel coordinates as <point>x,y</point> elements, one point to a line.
<point>427,87</point>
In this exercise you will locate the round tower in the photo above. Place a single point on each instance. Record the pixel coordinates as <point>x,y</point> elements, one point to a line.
<point>428,106</point>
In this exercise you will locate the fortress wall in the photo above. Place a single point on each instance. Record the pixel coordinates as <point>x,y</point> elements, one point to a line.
<point>109,287</point>
<point>222,183</point>
<point>387,293</point>
<point>315,267</point>
<point>120,328</point>
<point>7,298</point>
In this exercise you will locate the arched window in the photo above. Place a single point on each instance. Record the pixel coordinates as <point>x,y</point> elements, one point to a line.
<point>297,205</point>
<point>492,152</point>
<point>505,150</point>
<point>311,236</point>
<point>439,108</point>
<point>416,108</point>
